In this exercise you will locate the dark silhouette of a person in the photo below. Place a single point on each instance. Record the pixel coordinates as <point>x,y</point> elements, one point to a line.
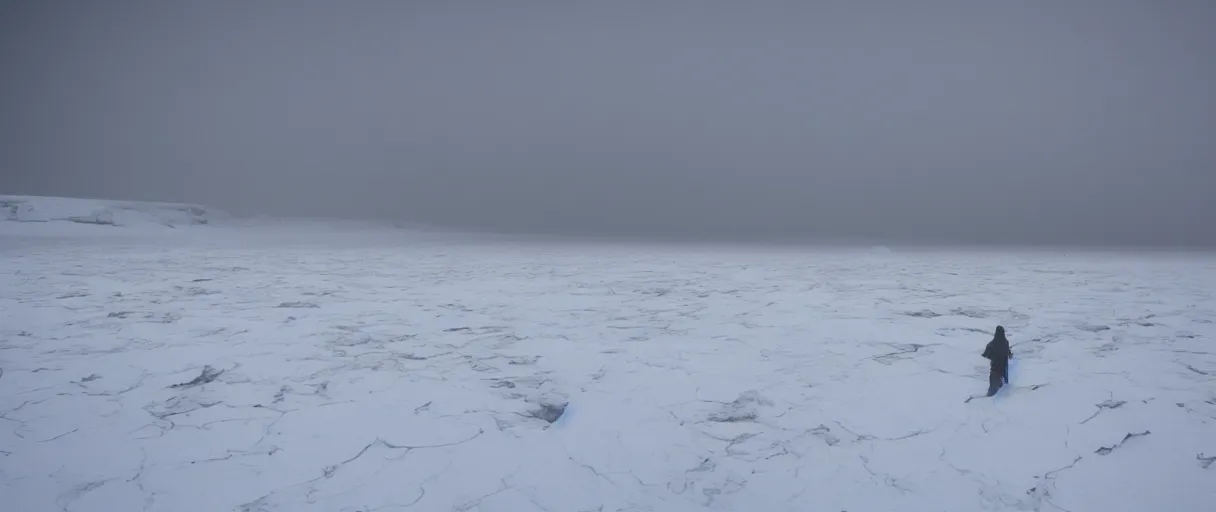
<point>998,352</point>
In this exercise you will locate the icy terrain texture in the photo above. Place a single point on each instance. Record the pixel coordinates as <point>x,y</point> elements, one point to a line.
<point>272,369</point>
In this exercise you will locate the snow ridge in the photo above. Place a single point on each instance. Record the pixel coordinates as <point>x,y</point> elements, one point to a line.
<point>105,213</point>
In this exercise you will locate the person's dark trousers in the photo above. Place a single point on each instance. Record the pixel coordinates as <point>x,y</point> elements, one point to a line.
<point>995,380</point>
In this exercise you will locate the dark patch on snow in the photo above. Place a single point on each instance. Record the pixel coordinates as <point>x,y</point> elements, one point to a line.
<point>99,220</point>
<point>1093,328</point>
<point>354,341</point>
<point>657,292</point>
<point>195,291</point>
<point>549,412</point>
<point>164,318</point>
<point>824,432</point>
<point>202,280</point>
<point>458,329</point>
<point>1105,450</point>
<point>503,384</point>
<point>11,206</point>
<point>733,416</point>
<point>482,367</point>
<point>73,295</point>
<point>969,313</point>
<point>924,313</point>
<point>207,375</point>
<point>423,407</point>
<point>299,305</point>
<point>1205,462</point>
<point>743,408</point>
<point>707,464</point>
<point>91,377</point>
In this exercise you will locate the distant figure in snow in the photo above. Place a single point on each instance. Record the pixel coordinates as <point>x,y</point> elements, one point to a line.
<point>998,352</point>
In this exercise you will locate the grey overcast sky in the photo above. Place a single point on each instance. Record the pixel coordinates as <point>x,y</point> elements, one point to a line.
<point>1028,121</point>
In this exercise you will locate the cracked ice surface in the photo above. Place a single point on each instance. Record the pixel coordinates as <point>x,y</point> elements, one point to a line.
<point>382,372</point>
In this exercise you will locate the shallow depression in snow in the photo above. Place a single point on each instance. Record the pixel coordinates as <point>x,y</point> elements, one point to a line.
<point>232,373</point>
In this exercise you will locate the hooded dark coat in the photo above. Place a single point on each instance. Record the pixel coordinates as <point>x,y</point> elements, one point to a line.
<point>999,353</point>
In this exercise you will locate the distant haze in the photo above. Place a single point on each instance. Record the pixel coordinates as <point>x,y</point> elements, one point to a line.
<point>1022,122</point>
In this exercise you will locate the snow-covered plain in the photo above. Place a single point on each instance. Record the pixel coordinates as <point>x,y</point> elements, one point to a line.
<point>256,368</point>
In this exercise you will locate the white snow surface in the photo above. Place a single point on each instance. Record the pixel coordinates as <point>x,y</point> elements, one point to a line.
<point>272,369</point>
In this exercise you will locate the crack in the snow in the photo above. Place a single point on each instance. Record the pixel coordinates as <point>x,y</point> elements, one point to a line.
<point>908,436</point>
<point>59,436</point>
<point>942,457</point>
<point>175,406</point>
<point>1043,490</point>
<point>905,349</point>
<point>29,402</point>
<point>69,497</point>
<point>887,479</point>
<point>1109,404</point>
<point>1196,370</point>
<point>421,494</point>
<point>732,441</point>
<point>121,392</point>
<point>859,437</point>
<point>422,407</point>
<point>1054,472</point>
<point>406,447</point>
<point>1107,449</point>
<point>476,502</point>
<point>238,453</point>
<point>142,464</point>
<point>707,464</point>
<point>591,468</point>
<point>329,471</point>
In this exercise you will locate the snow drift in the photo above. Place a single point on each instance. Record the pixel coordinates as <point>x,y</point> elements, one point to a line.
<point>99,212</point>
